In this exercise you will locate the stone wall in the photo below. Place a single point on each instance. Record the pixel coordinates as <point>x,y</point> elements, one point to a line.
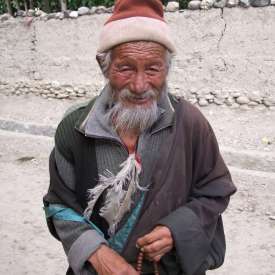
<point>225,56</point>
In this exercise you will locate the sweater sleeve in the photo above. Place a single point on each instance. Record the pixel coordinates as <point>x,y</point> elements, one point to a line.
<point>78,239</point>
<point>197,227</point>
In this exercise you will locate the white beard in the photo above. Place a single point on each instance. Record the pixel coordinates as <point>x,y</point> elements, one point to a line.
<point>134,118</point>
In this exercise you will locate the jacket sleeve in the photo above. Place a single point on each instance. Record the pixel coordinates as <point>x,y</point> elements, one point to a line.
<point>197,227</point>
<point>79,240</point>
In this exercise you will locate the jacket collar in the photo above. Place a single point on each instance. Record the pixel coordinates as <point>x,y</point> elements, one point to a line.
<point>93,123</point>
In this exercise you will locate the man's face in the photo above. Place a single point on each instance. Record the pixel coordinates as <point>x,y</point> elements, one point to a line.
<point>141,69</point>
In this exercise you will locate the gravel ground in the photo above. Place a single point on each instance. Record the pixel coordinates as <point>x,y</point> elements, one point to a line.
<point>27,247</point>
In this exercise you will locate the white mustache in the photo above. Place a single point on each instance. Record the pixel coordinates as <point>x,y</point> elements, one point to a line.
<point>126,94</point>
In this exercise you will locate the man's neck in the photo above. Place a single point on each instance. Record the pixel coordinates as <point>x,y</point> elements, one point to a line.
<point>130,140</point>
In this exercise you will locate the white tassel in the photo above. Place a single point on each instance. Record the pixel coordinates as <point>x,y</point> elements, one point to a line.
<point>117,201</point>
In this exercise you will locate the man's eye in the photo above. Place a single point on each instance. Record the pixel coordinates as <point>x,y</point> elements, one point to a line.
<point>124,69</point>
<point>153,69</point>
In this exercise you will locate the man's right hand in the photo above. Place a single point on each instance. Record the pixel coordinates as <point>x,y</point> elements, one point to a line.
<point>107,262</point>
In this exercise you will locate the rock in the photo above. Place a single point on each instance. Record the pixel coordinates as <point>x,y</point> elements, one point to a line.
<point>51,16</point>
<point>59,15</point>
<point>218,101</point>
<point>73,14</point>
<point>244,107</point>
<point>172,6</point>
<point>110,9</point>
<point>20,13</point>
<point>236,94</point>
<point>255,97</point>
<point>5,17</point>
<point>83,11</point>
<point>100,9</point>
<point>244,3</point>
<point>232,3</point>
<point>235,105</point>
<point>242,100</point>
<point>269,102</point>
<point>203,102</point>
<point>266,141</point>
<point>272,2</point>
<point>207,4</point>
<point>92,10</point>
<point>272,218</point>
<point>194,5</point>
<point>39,13</point>
<point>219,4</point>
<point>55,84</point>
<point>229,101</point>
<point>31,12</point>
<point>209,97</point>
<point>259,3</point>
<point>252,104</point>
<point>67,13</point>
<point>37,76</point>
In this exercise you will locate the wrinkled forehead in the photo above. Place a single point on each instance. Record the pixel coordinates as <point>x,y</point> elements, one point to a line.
<point>142,49</point>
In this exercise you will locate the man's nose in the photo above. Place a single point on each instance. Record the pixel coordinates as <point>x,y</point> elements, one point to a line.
<point>139,84</point>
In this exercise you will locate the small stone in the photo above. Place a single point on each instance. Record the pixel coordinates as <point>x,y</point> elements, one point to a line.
<point>242,100</point>
<point>272,2</point>
<point>39,12</point>
<point>73,14</point>
<point>272,218</point>
<point>269,102</point>
<point>203,102</point>
<point>229,101</point>
<point>83,11</point>
<point>244,107</point>
<point>67,13</point>
<point>172,6</point>
<point>244,3</point>
<point>31,12</point>
<point>100,9</point>
<point>232,3</point>
<point>37,76</point>
<point>266,141</point>
<point>110,9</point>
<point>5,17</point>
<point>255,97</point>
<point>235,105</point>
<point>55,84</point>
<point>69,90</point>
<point>252,104</point>
<point>236,94</point>
<point>59,15</point>
<point>51,16</point>
<point>209,97</point>
<point>259,3</point>
<point>92,10</point>
<point>219,4</point>
<point>207,4</point>
<point>20,13</point>
<point>194,5</point>
<point>218,101</point>
<point>60,96</point>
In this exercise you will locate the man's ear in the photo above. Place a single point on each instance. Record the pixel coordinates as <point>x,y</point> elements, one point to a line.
<point>99,59</point>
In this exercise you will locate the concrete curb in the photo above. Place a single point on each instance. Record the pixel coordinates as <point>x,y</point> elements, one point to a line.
<point>242,159</point>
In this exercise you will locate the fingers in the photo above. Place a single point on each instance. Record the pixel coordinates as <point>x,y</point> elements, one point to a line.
<point>158,233</point>
<point>157,243</point>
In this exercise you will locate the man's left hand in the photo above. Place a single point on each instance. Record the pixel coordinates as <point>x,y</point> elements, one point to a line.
<point>157,243</point>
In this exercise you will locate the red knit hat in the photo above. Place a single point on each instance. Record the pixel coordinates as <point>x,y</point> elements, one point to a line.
<point>135,20</point>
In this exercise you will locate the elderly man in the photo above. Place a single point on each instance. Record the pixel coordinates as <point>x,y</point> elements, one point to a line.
<point>137,169</point>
